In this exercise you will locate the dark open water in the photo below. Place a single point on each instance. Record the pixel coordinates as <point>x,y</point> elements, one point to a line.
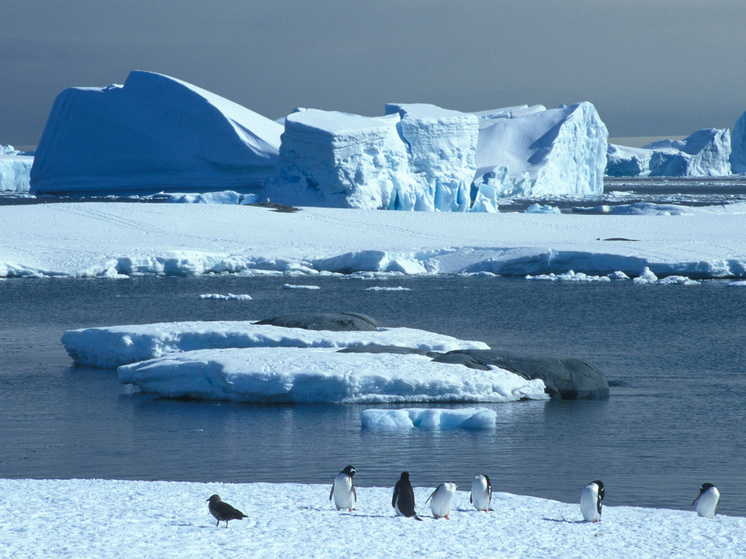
<point>675,419</point>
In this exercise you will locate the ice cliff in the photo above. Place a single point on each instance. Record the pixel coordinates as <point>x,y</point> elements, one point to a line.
<point>530,151</point>
<point>705,153</point>
<point>154,133</point>
<point>15,167</point>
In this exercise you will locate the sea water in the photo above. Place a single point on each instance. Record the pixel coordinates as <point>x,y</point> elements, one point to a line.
<point>674,355</point>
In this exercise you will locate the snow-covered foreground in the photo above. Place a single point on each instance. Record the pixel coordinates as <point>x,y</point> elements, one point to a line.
<point>115,239</point>
<point>105,519</point>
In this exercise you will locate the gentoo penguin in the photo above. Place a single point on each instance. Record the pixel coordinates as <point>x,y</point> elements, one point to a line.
<point>481,493</point>
<point>343,490</point>
<point>708,500</point>
<point>403,499</point>
<point>223,511</point>
<point>442,498</point>
<point>590,501</point>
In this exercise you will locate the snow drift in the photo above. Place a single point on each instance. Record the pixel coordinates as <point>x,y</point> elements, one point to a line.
<point>705,153</point>
<point>529,151</point>
<point>153,133</point>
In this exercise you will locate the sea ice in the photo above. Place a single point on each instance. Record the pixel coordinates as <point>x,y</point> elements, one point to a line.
<point>705,153</point>
<point>540,152</point>
<point>110,347</point>
<point>154,133</point>
<point>302,375</point>
<point>429,418</point>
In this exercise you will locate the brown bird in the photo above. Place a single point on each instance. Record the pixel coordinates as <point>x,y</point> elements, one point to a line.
<point>223,511</point>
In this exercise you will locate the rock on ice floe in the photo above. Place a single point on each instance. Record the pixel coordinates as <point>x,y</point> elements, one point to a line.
<point>15,168</point>
<point>567,379</point>
<point>429,418</point>
<point>705,153</point>
<point>302,375</point>
<point>110,347</point>
<point>535,152</point>
<point>738,146</point>
<point>154,133</point>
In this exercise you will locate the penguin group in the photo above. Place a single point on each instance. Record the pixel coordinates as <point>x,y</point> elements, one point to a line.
<point>441,500</point>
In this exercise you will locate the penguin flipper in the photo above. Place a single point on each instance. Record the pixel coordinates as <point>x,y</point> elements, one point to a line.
<point>470,498</point>
<point>332,493</point>
<point>431,496</point>
<point>396,494</point>
<point>354,493</point>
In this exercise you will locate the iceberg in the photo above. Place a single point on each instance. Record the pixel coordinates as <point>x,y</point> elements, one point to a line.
<point>535,152</point>
<point>705,153</point>
<point>154,133</point>
<point>110,347</point>
<point>15,169</point>
<point>320,375</point>
<point>738,146</point>
<point>429,418</point>
<point>341,160</point>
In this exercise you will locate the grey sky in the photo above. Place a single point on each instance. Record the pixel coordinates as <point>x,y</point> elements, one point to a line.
<point>651,67</point>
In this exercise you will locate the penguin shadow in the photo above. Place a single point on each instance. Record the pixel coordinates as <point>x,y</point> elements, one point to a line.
<point>565,521</point>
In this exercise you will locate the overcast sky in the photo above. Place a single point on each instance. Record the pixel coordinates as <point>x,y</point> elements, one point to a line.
<point>651,67</point>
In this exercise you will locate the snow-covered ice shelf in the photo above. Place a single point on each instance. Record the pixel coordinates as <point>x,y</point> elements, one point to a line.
<point>115,519</point>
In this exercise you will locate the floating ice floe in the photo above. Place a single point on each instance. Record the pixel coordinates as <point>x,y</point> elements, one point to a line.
<point>429,418</point>
<point>383,288</point>
<point>299,375</point>
<point>228,297</point>
<point>307,287</point>
<point>648,277</point>
<point>539,209</point>
<point>110,347</point>
<point>705,153</point>
<point>154,133</point>
<point>638,208</point>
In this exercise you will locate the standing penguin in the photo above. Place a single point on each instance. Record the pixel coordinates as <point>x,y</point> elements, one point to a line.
<point>343,490</point>
<point>223,511</point>
<point>481,493</point>
<point>442,498</point>
<point>708,500</point>
<point>590,501</point>
<point>403,499</point>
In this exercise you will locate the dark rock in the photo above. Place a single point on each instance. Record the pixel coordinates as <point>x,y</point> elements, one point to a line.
<point>567,379</point>
<point>336,322</point>
<point>389,349</point>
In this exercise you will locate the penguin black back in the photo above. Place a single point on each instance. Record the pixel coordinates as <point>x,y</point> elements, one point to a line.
<point>403,498</point>
<point>601,493</point>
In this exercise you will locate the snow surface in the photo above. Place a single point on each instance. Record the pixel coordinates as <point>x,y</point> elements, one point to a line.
<point>15,168</point>
<point>738,146</point>
<point>111,347</point>
<point>535,153</point>
<point>301,375</point>
<point>705,153</point>
<point>429,418</point>
<point>154,133</point>
<point>160,519</point>
<point>125,239</point>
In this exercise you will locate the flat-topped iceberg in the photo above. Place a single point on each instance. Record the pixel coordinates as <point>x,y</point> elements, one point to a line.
<point>110,347</point>
<point>705,153</point>
<point>429,418</point>
<point>533,152</point>
<point>15,169</point>
<point>154,133</point>
<point>300,375</point>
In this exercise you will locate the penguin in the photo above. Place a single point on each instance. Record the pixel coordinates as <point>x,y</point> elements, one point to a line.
<point>403,499</point>
<point>223,511</point>
<point>343,490</point>
<point>708,501</point>
<point>590,501</point>
<point>442,498</point>
<point>481,493</point>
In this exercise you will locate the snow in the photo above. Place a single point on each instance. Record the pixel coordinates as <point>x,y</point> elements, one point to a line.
<point>428,418</point>
<point>320,375</point>
<point>15,167</point>
<point>704,153</point>
<point>154,133</point>
<point>126,239</point>
<point>115,519</point>
<point>110,347</point>
<point>539,152</point>
<point>738,146</point>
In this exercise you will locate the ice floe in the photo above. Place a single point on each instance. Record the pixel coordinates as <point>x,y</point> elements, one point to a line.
<point>429,418</point>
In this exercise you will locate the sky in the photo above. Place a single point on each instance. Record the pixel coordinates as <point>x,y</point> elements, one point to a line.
<point>662,68</point>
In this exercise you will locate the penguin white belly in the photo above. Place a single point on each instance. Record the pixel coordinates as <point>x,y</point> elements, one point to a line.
<point>707,503</point>
<point>480,493</point>
<point>589,503</point>
<point>344,496</point>
<point>442,499</point>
